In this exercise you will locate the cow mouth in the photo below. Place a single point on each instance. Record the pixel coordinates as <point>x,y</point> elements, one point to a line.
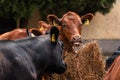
<point>76,46</point>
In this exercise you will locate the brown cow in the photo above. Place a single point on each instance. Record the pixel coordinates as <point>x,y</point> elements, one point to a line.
<point>21,32</point>
<point>70,26</point>
<point>114,70</point>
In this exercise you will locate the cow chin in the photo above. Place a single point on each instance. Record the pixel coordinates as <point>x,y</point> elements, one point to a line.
<point>76,46</point>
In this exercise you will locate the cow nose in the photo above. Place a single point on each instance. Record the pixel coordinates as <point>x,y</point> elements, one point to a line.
<point>63,69</point>
<point>76,37</point>
<point>76,40</point>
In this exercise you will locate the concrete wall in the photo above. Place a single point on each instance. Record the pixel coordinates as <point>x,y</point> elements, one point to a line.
<point>104,26</point>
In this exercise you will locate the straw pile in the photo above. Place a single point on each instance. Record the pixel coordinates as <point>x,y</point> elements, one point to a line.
<point>87,64</point>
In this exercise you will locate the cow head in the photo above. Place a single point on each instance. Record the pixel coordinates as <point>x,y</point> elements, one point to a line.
<point>56,63</point>
<point>43,27</point>
<point>70,28</point>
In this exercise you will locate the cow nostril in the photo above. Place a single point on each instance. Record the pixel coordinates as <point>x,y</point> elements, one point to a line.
<point>76,38</point>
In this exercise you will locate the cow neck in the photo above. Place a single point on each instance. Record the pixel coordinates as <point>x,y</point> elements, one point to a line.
<point>29,43</point>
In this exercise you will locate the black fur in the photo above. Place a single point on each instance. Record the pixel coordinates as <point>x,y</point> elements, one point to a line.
<point>29,58</point>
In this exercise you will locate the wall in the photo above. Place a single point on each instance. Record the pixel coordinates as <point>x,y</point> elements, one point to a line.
<point>106,29</point>
<point>104,26</point>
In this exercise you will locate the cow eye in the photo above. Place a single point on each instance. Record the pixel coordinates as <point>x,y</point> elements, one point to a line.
<point>63,26</point>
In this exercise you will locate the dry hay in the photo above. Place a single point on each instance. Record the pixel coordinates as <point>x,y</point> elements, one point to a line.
<point>87,64</point>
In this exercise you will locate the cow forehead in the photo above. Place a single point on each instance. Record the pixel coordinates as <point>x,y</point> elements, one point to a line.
<point>71,16</point>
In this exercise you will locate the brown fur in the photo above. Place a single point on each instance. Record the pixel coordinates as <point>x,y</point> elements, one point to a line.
<point>14,34</point>
<point>18,34</point>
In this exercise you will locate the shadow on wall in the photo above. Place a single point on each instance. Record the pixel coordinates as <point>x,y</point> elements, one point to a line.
<point>108,46</point>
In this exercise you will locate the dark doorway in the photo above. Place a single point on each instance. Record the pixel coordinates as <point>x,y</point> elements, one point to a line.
<point>7,25</point>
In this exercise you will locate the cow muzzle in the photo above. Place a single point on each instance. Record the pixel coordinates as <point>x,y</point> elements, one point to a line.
<point>63,69</point>
<point>76,42</point>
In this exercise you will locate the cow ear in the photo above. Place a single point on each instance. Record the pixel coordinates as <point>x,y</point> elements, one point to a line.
<point>54,34</point>
<point>40,23</point>
<point>41,26</point>
<point>86,19</point>
<point>53,20</point>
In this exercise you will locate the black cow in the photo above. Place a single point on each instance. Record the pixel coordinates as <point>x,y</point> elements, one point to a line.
<point>29,58</point>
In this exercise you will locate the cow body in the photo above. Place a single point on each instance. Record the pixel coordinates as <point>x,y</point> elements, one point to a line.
<point>29,58</point>
<point>19,34</point>
<point>14,34</point>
